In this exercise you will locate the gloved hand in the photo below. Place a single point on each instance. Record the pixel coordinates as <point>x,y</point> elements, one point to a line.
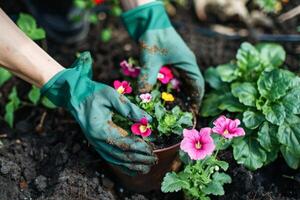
<point>160,45</point>
<point>92,104</point>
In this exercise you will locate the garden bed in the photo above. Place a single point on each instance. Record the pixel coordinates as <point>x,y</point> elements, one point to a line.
<point>47,157</point>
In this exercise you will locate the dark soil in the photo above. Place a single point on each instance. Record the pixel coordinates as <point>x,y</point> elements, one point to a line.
<point>54,161</point>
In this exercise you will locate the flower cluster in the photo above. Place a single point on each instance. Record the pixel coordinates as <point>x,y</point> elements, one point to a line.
<point>200,144</point>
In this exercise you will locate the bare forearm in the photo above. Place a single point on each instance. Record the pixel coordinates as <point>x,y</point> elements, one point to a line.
<point>22,56</point>
<point>130,4</point>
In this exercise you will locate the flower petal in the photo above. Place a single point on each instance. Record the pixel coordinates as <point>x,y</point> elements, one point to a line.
<point>135,129</point>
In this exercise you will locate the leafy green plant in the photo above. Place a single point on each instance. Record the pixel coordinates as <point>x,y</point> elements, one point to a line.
<point>28,25</point>
<point>267,100</point>
<point>4,76</point>
<point>11,106</point>
<point>269,6</point>
<point>201,176</point>
<point>168,119</point>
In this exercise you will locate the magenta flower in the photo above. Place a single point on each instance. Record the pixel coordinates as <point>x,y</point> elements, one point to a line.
<point>129,70</point>
<point>198,145</point>
<point>175,84</point>
<point>122,87</point>
<point>141,128</point>
<point>228,128</point>
<point>165,75</point>
<point>146,98</point>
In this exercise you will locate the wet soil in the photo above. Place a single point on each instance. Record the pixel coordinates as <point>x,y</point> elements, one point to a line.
<point>55,162</point>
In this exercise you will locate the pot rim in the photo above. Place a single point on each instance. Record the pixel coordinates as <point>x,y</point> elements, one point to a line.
<point>167,148</point>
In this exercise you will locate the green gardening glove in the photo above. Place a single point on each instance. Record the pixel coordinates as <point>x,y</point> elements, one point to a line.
<point>92,105</point>
<point>160,45</point>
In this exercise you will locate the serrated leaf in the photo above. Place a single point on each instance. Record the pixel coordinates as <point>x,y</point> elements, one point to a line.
<point>28,25</point>
<point>34,95</point>
<point>291,159</point>
<point>274,84</point>
<point>291,101</point>
<point>245,92</point>
<point>227,72</point>
<point>186,119</point>
<point>247,57</point>
<point>4,76</point>
<point>289,134</point>
<point>252,119</point>
<point>216,186</point>
<point>173,183</point>
<point>274,113</point>
<point>271,54</point>
<point>248,152</point>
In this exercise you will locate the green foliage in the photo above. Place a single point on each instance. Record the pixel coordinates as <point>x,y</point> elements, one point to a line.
<point>4,76</point>
<point>106,35</point>
<point>28,25</point>
<point>11,106</point>
<point>266,97</point>
<point>198,179</point>
<point>34,95</point>
<point>269,6</point>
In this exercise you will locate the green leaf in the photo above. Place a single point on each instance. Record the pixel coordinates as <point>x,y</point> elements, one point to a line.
<point>274,113</point>
<point>267,137</point>
<point>169,120</point>
<point>291,101</point>
<point>252,119</point>
<point>47,103</point>
<point>28,25</point>
<point>11,107</point>
<point>106,35</point>
<point>4,76</point>
<point>271,54</point>
<point>212,77</point>
<point>159,111</point>
<point>248,152</point>
<point>245,92</point>
<point>274,84</point>
<point>173,183</point>
<point>230,103</point>
<point>210,105</point>
<point>216,186</point>
<point>289,134</point>
<point>247,57</point>
<point>186,119</point>
<point>227,72</point>
<point>221,145</point>
<point>291,159</point>
<point>34,95</point>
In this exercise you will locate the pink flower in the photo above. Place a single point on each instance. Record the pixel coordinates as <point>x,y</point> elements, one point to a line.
<point>198,145</point>
<point>146,98</point>
<point>122,87</point>
<point>228,128</point>
<point>175,84</point>
<point>165,75</point>
<point>129,70</point>
<point>141,128</point>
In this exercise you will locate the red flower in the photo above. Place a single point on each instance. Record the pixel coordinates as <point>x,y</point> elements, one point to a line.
<point>165,75</point>
<point>97,2</point>
<point>141,128</point>
<point>122,87</point>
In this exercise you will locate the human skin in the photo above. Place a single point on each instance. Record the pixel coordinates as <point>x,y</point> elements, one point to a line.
<point>24,58</point>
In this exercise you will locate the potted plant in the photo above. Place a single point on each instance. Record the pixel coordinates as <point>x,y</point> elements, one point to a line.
<point>163,133</point>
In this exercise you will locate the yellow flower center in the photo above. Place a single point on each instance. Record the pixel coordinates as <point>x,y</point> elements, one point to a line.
<point>121,90</point>
<point>226,132</point>
<point>143,128</point>
<point>167,96</point>
<point>160,75</point>
<point>198,145</point>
